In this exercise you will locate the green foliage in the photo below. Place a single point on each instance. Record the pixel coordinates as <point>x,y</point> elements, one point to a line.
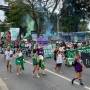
<point>71,14</point>
<point>17,11</point>
<point>4,27</point>
<point>69,23</point>
<point>83,26</point>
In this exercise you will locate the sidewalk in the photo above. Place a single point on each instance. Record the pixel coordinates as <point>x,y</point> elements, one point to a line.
<point>3,86</point>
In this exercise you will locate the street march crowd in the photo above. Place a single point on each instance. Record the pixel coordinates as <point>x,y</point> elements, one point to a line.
<point>38,60</point>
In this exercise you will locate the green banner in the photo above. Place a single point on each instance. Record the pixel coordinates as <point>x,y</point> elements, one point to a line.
<point>70,54</point>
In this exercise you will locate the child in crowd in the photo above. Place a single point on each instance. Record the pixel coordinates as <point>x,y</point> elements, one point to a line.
<point>35,64</point>
<point>8,59</point>
<point>40,53</point>
<point>55,53</point>
<point>41,64</point>
<point>59,61</point>
<point>19,62</point>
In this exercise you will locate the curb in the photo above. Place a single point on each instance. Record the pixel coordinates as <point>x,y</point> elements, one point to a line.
<point>3,86</point>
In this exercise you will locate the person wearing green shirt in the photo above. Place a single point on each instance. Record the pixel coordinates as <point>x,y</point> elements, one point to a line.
<point>35,61</point>
<point>19,62</point>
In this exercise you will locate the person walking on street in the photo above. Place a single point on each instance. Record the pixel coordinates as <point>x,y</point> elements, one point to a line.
<point>19,62</point>
<point>8,59</point>
<point>78,66</point>
<point>35,64</point>
<point>40,53</point>
<point>59,61</point>
<point>55,54</point>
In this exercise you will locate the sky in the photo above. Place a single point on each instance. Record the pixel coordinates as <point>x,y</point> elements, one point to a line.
<point>57,10</point>
<point>2,16</point>
<point>1,2</point>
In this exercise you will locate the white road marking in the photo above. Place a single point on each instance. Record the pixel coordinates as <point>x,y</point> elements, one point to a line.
<point>3,86</point>
<point>61,76</point>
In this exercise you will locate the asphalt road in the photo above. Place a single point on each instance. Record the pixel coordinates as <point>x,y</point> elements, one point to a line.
<point>51,81</point>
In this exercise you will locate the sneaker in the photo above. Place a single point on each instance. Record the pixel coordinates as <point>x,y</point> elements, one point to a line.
<point>81,84</point>
<point>37,76</point>
<point>72,82</point>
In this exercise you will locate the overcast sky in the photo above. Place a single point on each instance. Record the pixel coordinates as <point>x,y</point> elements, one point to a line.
<point>2,17</point>
<point>1,1</point>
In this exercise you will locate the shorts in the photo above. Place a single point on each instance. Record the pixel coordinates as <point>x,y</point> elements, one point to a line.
<point>58,64</point>
<point>78,74</point>
<point>8,62</point>
<point>35,63</point>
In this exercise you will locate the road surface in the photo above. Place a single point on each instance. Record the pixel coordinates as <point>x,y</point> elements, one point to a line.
<point>52,81</point>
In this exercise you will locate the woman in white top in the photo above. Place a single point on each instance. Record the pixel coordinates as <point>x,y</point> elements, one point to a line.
<point>11,53</point>
<point>59,61</point>
<point>8,59</point>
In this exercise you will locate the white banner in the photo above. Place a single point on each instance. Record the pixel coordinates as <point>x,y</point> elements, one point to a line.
<point>14,33</point>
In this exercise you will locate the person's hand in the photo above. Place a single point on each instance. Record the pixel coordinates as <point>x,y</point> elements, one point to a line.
<point>84,67</point>
<point>14,55</point>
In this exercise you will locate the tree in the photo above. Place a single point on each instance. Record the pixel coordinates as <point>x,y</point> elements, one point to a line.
<point>50,8</point>
<point>83,26</point>
<point>69,23</point>
<point>72,12</point>
<point>16,13</point>
<point>4,26</point>
<point>69,20</point>
<point>36,8</point>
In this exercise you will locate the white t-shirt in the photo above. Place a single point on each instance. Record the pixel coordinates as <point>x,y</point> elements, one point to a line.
<point>11,52</point>
<point>7,55</point>
<point>20,54</point>
<point>29,45</point>
<point>59,59</point>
